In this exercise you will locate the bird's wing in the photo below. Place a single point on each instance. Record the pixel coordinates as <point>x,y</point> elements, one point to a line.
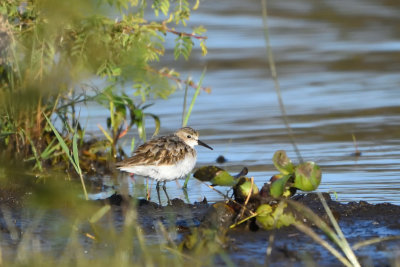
<point>159,151</point>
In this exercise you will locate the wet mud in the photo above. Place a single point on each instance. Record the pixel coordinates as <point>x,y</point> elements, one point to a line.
<point>247,245</point>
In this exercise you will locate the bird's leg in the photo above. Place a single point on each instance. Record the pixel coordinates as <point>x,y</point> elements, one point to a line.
<point>158,192</point>
<point>148,193</point>
<point>165,191</point>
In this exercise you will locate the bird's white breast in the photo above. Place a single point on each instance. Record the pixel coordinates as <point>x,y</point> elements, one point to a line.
<point>164,172</point>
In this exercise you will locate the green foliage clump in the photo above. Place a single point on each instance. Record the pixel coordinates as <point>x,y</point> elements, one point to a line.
<point>53,52</point>
<point>267,205</point>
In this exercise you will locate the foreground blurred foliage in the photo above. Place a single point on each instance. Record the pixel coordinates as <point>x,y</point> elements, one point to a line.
<point>53,52</point>
<point>57,228</point>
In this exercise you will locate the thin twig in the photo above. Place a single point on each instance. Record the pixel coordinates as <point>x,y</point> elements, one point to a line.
<point>229,198</point>
<point>276,82</point>
<point>247,198</point>
<point>242,221</point>
<point>177,80</point>
<point>163,28</point>
<point>374,241</point>
<point>186,34</point>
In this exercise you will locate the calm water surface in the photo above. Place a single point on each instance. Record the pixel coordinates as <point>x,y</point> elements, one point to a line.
<point>339,69</point>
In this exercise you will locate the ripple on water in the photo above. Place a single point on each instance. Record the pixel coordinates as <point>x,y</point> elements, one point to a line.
<point>338,69</point>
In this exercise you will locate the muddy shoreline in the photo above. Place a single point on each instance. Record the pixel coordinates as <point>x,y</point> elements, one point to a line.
<point>359,221</point>
<point>244,245</point>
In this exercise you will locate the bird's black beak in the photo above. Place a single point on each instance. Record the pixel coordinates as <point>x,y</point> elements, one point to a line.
<point>204,144</point>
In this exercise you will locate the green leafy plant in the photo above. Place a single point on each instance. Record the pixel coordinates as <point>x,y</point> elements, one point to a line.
<point>52,53</point>
<point>73,156</point>
<point>264,204</point>
<point>305,176</point>
<point>122,109</point>
<point>271,207</point>
<point>215,175</point>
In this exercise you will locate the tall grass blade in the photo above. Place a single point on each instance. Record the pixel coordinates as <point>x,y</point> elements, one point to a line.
<point>49,150</point>
<point>344,245</point>
<point>308,231</point>
<point>184,104</point>
<point>62,142</point>
<point>99,214</point>
<point>75,152</point>
<point>340,241</point>
<point>35,154</point>
<point>196,93</point>
<point>372,241</point>
<point>186,181</point>
<point>109,138</point>
<point>67,151</point>
<point>132,144</point>
<point>187,116</point>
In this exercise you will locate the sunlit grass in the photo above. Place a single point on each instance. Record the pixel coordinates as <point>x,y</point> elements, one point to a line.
<point>73,156</point>
<point>186,114</point>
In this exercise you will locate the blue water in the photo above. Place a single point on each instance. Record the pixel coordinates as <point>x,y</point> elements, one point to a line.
<point>338,67</point>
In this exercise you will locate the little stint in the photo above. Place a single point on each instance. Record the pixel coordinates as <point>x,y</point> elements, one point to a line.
<point>165,158</point>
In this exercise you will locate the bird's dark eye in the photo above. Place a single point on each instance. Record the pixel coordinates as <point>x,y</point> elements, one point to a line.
<point>189,136</point>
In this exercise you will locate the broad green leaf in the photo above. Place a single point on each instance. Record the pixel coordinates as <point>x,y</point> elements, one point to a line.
<point>282,163</point>
<point>223,178</point>
<point>215,175</point>
<point>243,188</point>
<point>264,210</point>
<point>270,217</point>
<point>278,186</point>
<point>264,218</point>
<point>307,176</point>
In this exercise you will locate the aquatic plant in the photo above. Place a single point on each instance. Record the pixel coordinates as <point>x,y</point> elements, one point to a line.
<point>272,207</point>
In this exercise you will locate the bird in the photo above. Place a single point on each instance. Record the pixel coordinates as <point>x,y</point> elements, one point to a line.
<point>165,158</point>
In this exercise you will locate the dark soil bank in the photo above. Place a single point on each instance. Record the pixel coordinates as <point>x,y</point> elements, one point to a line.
<point>246,246</point>
<point>359,221</point>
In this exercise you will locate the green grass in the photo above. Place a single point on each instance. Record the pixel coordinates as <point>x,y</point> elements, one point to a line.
<point>186,115</point>
<point>73,156</point>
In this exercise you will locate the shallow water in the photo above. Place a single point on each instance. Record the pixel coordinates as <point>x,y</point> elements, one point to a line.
<point>338,64</point>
